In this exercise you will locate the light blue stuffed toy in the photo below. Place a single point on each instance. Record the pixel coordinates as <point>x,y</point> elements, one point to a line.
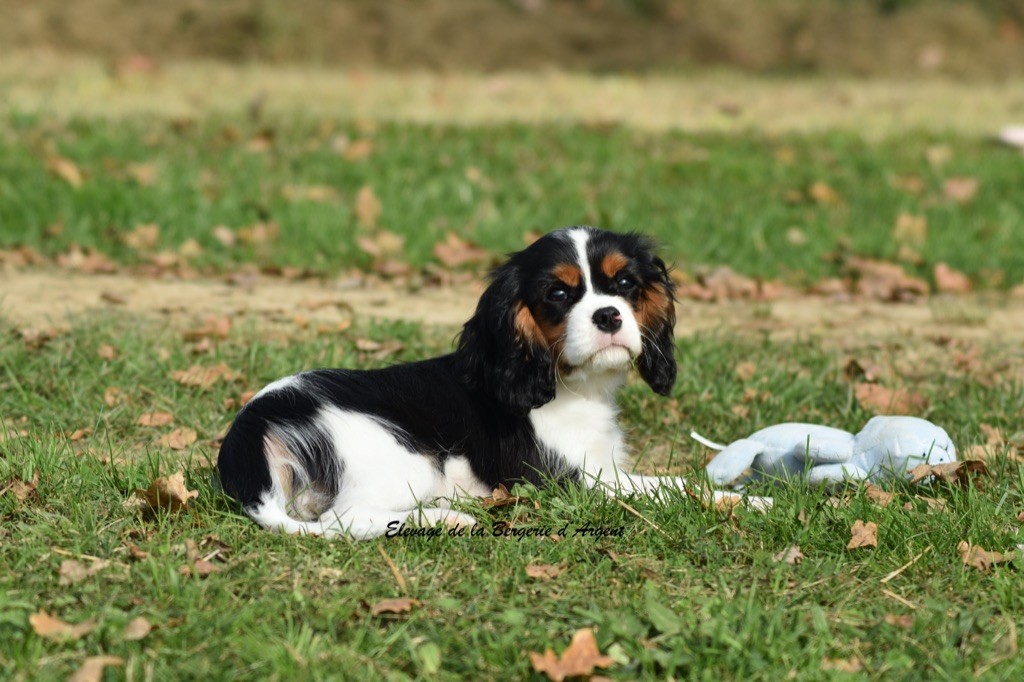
<point>887,447</point>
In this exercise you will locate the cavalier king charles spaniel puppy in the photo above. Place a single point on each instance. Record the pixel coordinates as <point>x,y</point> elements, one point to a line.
<point>528,395</point>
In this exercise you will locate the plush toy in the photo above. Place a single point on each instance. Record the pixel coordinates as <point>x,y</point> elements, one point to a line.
<point>887,447</point>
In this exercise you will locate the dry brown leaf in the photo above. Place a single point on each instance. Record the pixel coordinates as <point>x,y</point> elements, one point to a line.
<point>910,230</point>
<point>136,629</point>
<point>884,281</point>
<point>259,234</point>
<point>961,189</point>
<point>993,435</point>
<point>143,237</point>
<point>204,377</point>
<point>79,434</point>
<point>746,370</point>
<point>543,571</point>
<point>92,668</point>
<point>382,243</point>
<point>905,621</point>
<point>65,169</point>
<point>106,351</point>
<point>823,194</point>
<point>49,627</point>
<point>218,326</point>
<point>724,284</point>
<point>983,560</point>
<point>178,439</point>
<point>145,174</point>
<point>880,497</point>
<point>454,252</point>
<point>578,660</point>
<point>857,369</point>
<point>879,399</point>
<point>501,497</point>
<point>167,492</point>
<point>155,419</point>
<point>845,665</point>
<point>863,535</point>
<point>199,568</point>
<point>950,281</point>
<point>314,193</point>
<point>190,249</point>
<point>225,235</point>
<point>90,262</point>
<point>357,151</point>
<point>397,605</point>
<point>113,297</point>
<point>22,489</point>
<point>962,471</point>
<point>72,571</point>
<point>368,207</point>
<point>934,504</point>
<point>790,555</point>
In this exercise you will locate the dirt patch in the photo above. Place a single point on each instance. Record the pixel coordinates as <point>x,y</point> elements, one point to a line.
<point>68,87</point>
<point>969,38</point>
<point>37,297</point>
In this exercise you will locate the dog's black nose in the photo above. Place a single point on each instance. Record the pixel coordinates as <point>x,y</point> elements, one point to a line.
<point>608,319</point>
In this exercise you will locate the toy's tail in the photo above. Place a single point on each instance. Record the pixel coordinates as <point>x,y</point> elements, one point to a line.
<point>704,441</point>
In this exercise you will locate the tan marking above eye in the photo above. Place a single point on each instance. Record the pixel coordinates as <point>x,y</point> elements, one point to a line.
<point>612,263</point>
<point>568,274</point>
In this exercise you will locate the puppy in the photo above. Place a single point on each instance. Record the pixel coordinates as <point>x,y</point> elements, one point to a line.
<point>528,395</point>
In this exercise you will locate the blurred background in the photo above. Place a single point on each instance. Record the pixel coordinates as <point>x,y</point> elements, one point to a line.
<point>965,38</point>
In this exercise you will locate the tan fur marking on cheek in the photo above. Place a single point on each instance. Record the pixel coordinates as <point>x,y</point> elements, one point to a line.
<point>569,274</point>
<point>654,306</point>
<point>528,329</point>
<point>612,263</point>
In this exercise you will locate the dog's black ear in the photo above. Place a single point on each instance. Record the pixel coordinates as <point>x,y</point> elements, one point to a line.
<point>503,352</point>
<point>657,317</point>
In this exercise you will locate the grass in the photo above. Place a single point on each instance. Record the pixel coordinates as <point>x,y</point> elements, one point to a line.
<point>700,598</point>
<point>746,200</point>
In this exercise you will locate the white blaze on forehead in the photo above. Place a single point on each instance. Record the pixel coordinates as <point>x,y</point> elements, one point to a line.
<point>579,238</point>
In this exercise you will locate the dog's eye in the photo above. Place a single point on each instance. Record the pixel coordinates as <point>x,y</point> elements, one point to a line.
<point>625,283</point>
<point>558,294</point>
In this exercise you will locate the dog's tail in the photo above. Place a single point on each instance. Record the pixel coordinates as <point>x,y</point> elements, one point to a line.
<point>704,441</point>
<point>280,464</point>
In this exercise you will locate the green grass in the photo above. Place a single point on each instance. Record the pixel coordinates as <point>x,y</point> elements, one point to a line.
<point>701,598</point>
<point>710,199</point>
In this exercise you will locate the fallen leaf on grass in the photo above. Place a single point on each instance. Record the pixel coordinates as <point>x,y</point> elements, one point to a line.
<point>167,492</point>
<point>398,605</point>
<point>501,497</point>
<point>863,535</point>
<point>960,189</point>
<point>72,571</point>
<point>225,235</point>
<point>314,193</point>
<point>950,281</point>
<point>217,326</point>
<point>791,555</point>
<point>857,369</point>
<point>983,560</point>
<point>845,665</point>
<point>92,669</point>
<point>905,621</point>
<point>50,627</point>
<point>204,377</point>
<point>879,399</point>
<point>821,193</point>
<point>90,262</point>
<point>884,281</point>
<point>381,243</point>
<point>22,489</point>
<point>356,151</point>
<point>910,230</point>
<point>259,234</point>
<point>882,498</point>
<point>368,207</point>
<point>178,439</point>
<point>144,237</point>
<point>1020,517</point>
<point>962,472</point>
<point>578,660</point>
<point>454,252</point>
<point>106,351</point>
<point>154,418</point>
<point>137,628</point>
<point>79,434</point>
<point>543,571</point>
<point>746,370</point>
<point>65,169</point>
<point>199,568</point>
<point>145,174</point>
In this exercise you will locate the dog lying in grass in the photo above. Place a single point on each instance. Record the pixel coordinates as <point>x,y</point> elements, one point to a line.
<point>528,395</point>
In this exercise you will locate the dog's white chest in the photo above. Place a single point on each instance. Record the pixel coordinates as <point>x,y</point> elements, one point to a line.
<point>584,432</point>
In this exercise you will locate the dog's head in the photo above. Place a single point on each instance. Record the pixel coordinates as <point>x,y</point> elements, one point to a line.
<point>576,300</point>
